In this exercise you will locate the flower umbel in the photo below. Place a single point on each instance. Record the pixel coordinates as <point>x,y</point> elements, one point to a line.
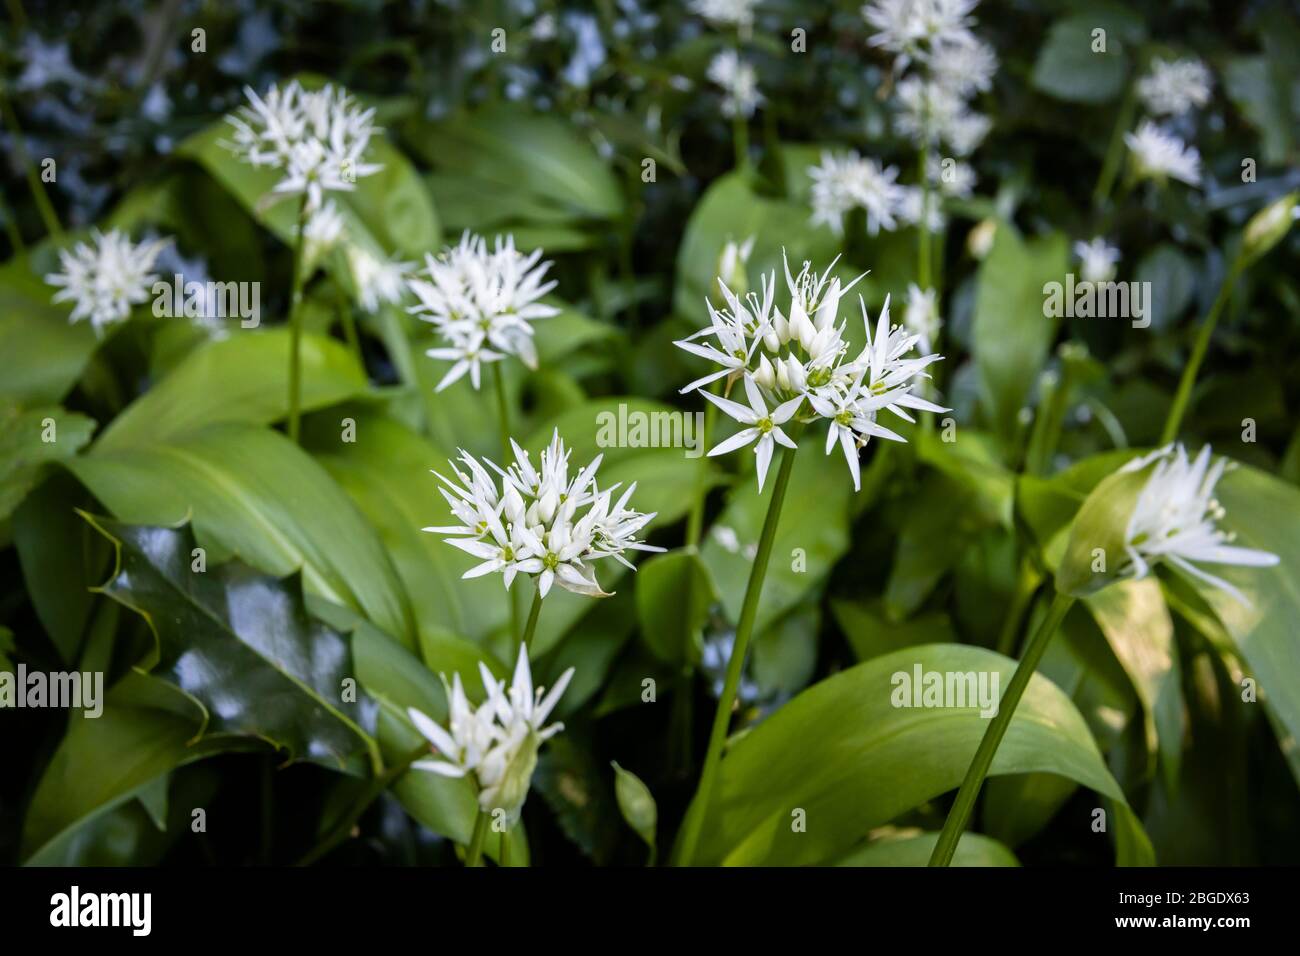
<point>1176,519</point>
<point>531,524</point>
<point>105,277</point>
<point>1159,155</point>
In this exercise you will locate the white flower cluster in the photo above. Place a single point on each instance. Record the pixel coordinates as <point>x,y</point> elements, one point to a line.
<point>1097,259</point>
<point>1159,155</point>
<point>794,365</point>
<point>1172,88</point>
<point>317,138</point>
<point>1175,87</point>
<point>378,281</point>
<point>531,524</point>
<point>733,13</point>
<point>1176,519</point>
<point>105,277</point>
<point>738,81</point>
<point>497,741</point>
<point>921,318</point>
<point>483,303</point>
<point>955,65</point>
<point>847,181</point>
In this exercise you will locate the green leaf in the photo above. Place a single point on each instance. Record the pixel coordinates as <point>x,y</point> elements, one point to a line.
<point>1264,513</point>
<point>243,379</point>
<point>146,730</point>
<point>44,353</point>
<point>1068,67</point>
<point>674,592</point>
<point>507,148</point>
<point>636,803</point>
<point>241,644</point>
<point>30,439</point>
<point>1012,333</point>
<point>1094,550</point>
<point>811,537</point>
<point>1260,87</point>
<point>852,761</point>
<point>870,633</point>
<point>252,492</point>
<point>911,848</point>
<point>1173,282</point>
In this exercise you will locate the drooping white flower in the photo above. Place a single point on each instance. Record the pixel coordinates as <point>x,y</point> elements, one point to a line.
<point>844,182</point>
<point>794,365</point>
<point>738,81</point>
<point>1159,155</point>
<point>498,741</point>
<point>733,13</point>
<point>482,303</point>
<point>539,522</point>
<point>378,281</point>
<point>1097,259</point>
<point>105,277</point>
<point>1176,517</point>
<point>318,138</point>
<point>921,318</point>
<point>1174,87</point>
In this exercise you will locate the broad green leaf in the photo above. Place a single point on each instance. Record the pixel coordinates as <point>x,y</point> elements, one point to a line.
<point>674,592</point>
<point>147,729</point>
<point>31,439</point>
<point>1077,65</point>
<point>252,492</point>
<point>846,756</point>
<point>871,633</point>
<point>1259,86</point>
<point>1094,550</point>
<point>387,473</point>
<point>1012,333</point>
<point>44,353</point>
<point>1264,512</point>
<point>241,644</point>
<point>243,378</point>
<point>1048,505</point>
<point>940,522</point>
<point>910,848</point>
<point>1173,283</point>
<point>636,803</point>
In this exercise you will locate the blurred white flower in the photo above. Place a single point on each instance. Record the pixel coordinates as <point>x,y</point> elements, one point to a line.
<point>1098,259</point>
<point>378,281</point>
<point>732,262</point>
<point>323,230</point>
<point>950,176</point>
<point>932,114</point>
<point>103,278</point>
<point>1176,519</point>
<point>735,13</point>
<point>1174,87</point>
<point>531,524</point>
<point>921,318</point>
<point>498,741</point>
<point>482,303</point>
<point>785,357</point>
<point>1159,155</point>
<point>963,64</point>
<point>908,28</point>
<point>842,183</point>
<point>913,200</point>
<point>738,81</point>
<point>317,137</point>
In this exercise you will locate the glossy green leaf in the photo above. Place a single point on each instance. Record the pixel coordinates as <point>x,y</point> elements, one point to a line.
<point>1077,65</point>
<point>843,754</point>
<point>243,378</point>
<point>240,643</point>
<point>636,803</point>
<point>44,353</point>
<point>253,493</point>
<point>674,592</point>
<point>913,849</point>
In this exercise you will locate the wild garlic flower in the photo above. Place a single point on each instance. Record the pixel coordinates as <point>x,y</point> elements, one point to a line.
<point>732,262</point>
<point>323,230</point>
<point>1174,87</point>
<point>794,365</point>
<point>844,182</point>
<point>733,13</point>
<point>932,114</point>
<point>497,742</point>
<point>964,65</point>
<point>909,28</point>
<point>105,277</point>
<point>539,522</point>
<point>482,303</point>
<point>917,203</point>
<point>318,138</point>
<point>1097,259</point>
<point>739,83</point>
<point>1158,155</point>
<point>378,281</point>
<point>921,318</point>
<point>1176,519</point>
<point>950,177</point>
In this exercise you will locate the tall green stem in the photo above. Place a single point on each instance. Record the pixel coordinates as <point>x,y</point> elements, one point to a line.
<point>740,139</point>
<point>964,804</point>
<point>744,630</point>
<point>922,224</point>
<point>295,324</point>
<point>474,855</point>
<point>1199,349</point>
<point>1115,149</point>
<point>349,322</point>
<point>533,614</point>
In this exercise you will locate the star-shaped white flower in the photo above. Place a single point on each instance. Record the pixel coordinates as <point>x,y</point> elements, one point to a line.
<point>762,426</point>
